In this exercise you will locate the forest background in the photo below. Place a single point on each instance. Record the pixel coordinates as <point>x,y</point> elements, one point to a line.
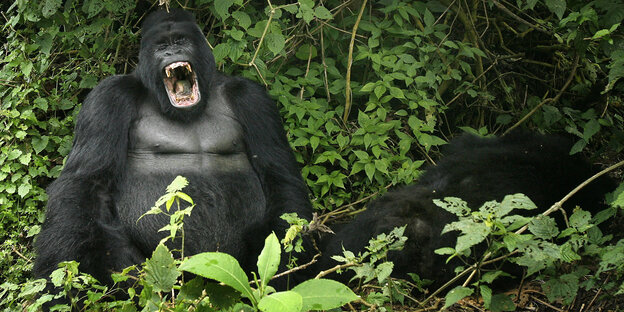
<point>368,90</point>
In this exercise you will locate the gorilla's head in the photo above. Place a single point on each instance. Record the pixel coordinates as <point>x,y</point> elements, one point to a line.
<point>175,62</point>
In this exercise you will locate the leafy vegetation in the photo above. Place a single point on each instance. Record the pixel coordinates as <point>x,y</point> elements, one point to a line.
<point>367,89</point>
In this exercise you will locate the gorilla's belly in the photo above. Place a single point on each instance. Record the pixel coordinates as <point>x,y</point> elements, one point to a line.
<point>225,189</point>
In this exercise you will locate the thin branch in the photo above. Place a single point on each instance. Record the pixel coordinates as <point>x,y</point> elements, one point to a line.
<point>547,100</point>
<point>518,18</point>
<point>334,269</point>
<point>349,63</point>
<point>295,269</point>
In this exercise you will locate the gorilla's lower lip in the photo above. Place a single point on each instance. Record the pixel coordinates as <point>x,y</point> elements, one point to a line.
<point>181,84</point>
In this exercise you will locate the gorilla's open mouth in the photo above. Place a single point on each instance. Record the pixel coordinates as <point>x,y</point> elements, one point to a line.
<point>181,84</point>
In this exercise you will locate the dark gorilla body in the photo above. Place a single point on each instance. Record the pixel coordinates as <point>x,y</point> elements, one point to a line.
<point>476,170</point>
<point>175,115</point>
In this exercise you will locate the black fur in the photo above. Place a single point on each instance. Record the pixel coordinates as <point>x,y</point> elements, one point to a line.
<point>476,170</point>
<point>130,143</point>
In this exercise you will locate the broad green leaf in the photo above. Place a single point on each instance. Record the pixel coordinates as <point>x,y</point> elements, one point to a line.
<point>456,294</point>
<point>222,7</point>
<point>23,189</point>
<point>50,7</point>
<point>160,271</point>
<point>591,128</point>
<point>544,227</point>
<point>220,267</point>
<point>269,259</point>
<point>324,294</point>
<point>556,6</point>
<point>243,19</point>
<point>275,42</point>
<point>383,271</point>
<point>39,144</point>
<point>286,301</point>
<point>13,154</point>
<point>322,13</point>
<point>501,302</point>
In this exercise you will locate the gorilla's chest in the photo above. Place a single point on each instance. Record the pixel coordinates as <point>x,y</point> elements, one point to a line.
<point>214,141</point>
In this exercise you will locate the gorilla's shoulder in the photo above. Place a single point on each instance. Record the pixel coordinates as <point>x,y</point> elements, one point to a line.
<point>117,85</point>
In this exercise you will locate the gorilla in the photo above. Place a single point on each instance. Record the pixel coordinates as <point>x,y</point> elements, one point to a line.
<point>476,170</point>
<point>174,115</point>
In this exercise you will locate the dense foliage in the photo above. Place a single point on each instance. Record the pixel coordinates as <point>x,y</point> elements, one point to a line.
<point>367,89</point>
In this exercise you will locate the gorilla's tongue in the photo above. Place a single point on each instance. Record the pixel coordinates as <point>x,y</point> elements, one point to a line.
<point>183,88</point>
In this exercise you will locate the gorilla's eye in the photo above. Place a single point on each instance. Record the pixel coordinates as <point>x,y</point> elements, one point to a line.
<point>181,84</point>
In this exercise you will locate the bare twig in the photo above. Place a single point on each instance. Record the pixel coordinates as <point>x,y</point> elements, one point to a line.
<point>348,92</point>
<point>334,269</point>
<point>295,269</point>
<point>518,18</point>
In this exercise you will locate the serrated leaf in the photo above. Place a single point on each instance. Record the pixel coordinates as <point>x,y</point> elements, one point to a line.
<point>544,227</point>
<point>383,271</point>
<point>269,259</point>
<point>220,267</point>
<point>285,301</point>
<point>222,7</point>
<point>324,294</point>
<point>275,42</point>
<point>160,271</point>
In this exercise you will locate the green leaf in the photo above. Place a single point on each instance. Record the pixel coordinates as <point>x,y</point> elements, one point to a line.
<point>285,301</point>
<point>383,271</point>
<point>456,294</point>
<point>591,128</point>
<point>275,42</point>
<point>501,302</point>
<point>544,227</point>
<point>322,13</point>
<point>243,19</point>
<point>13,154</point>
<point>556,6</point>
<point>220,267</point>
<point>160,271</point>
<point>177,184</point>
<point>23,189</point>
<point>39,144</point>
<point>269,259</point>
<point>50,7</point>
<point>578,147</point>
<point>324,294</point>
<point>222,7</point>
<point>370,170</point>
<point>306,51</point>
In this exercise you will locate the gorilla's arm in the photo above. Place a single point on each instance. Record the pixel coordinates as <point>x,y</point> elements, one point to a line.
<point>81,219</point>
<point>269,151</point>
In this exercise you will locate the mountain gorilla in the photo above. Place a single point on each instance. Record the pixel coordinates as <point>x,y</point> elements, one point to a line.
<point>476,170</point>
<point>174,115</point>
